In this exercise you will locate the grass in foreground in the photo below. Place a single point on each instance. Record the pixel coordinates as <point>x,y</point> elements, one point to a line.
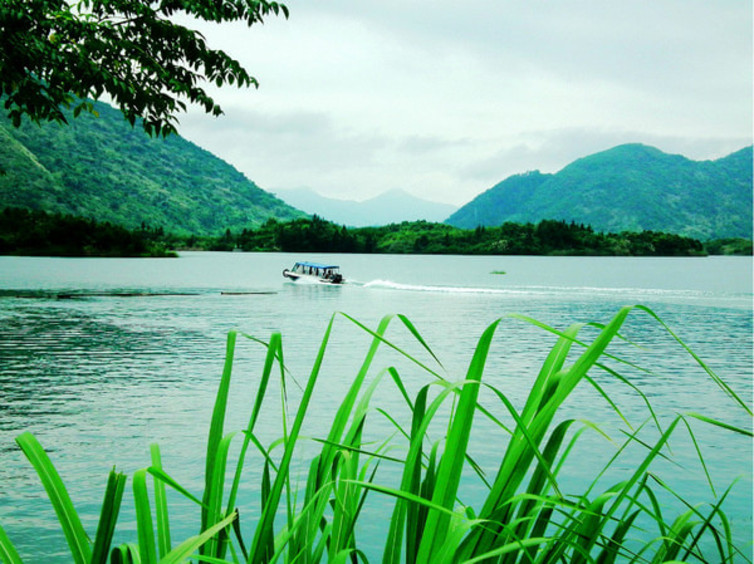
<point>526,517</point>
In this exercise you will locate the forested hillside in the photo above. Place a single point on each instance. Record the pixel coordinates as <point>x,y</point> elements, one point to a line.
<point>102,168</point>
<point>627,188</point>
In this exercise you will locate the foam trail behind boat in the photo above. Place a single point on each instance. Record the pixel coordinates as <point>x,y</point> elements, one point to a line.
<point>390,285</point>
<point>546,291</point>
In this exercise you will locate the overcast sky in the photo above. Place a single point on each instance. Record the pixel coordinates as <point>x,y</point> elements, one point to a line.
<point>446,98</point>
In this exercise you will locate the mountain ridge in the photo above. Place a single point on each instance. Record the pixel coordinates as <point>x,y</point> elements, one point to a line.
<point>101,167</point>
<point>631,187</point>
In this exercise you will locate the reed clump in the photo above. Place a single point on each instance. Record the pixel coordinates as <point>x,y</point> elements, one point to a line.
<point>524,516</point>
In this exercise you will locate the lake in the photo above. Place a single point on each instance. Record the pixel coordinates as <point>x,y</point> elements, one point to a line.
<point>99,376</point>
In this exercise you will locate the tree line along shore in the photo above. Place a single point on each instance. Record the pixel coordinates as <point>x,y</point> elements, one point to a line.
<point>37,233</point>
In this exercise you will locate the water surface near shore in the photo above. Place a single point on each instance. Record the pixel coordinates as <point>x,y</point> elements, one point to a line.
<point>101,357</point>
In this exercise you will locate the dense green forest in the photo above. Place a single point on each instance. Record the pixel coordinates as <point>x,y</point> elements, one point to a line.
<point>24,232</point>
<point>421,237</point>
<point>99,166</point>
<point>627,188</point>
<point>37,233</point>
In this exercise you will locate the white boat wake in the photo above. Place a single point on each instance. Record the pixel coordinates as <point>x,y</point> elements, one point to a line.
<point>390,285</point>
<point>556,291</point>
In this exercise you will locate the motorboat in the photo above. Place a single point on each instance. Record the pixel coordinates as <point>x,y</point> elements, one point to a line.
<point>314,272</point>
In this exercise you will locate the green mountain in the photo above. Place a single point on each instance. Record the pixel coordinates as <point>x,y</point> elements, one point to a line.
<point>102,168</point>
<point>628,188</point>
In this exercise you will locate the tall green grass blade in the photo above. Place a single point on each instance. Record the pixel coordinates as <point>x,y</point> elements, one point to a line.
<point>517,456</point>
<point>507,548</point>
<point>705,522</point>
<point>572,337</point>
<point>420,512</point>
<point>705,525</point>
<point>274,352</point>
<point>345,412</point>
<point>411,479</point>
<point>144,523</point>
<point>285,540</point>
<point>612,549</point>
<point>380,336</point>
<point>538,407</point>
<point>552,387</point>
<point>721,424</point>
<point>672,544</point>
<point>217,545</point>
<point>541,523</point>
<point>411,483</point>
<point>216,428</point>
<point>263,535</point>
<point>401,387</point>
<point>532,442</point>
<point>582,344</point>
<point>188,547</point>
<point>239,538</point>
<point>161,475</point>
<point>345,503</point>
<point>715,378</point>
<point>451,464</point>
<point>116,484</point>
<point>125,554</point>
<point>638,473</point>
<point>590,527</point>
<point>410,326</point>
<point>78,541</point>
<point>531,507</point>
<point>161,505</point>
<point>8,552</point>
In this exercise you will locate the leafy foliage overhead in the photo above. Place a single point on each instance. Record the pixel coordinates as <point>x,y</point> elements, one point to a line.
<point>101,168</point>
<point>628,188</point>
<point>58,53</point>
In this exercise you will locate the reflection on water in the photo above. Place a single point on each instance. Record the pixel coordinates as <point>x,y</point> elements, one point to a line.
<point>98,378</point>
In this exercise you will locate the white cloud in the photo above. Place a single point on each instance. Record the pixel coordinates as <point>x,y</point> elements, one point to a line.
<point>446,98</point>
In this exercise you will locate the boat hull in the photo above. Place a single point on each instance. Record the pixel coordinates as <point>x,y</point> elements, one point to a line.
<point>338,279</point>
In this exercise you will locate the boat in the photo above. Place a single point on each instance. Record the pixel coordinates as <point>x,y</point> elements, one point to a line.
<point>314,272</point>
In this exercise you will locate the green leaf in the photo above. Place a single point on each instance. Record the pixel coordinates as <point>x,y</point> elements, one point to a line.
<point>7,550</point>
<point>116,484</point>
<point>144,523</point>
<point>161,504</point>
<point>188,547</point>
<point>77,539</point>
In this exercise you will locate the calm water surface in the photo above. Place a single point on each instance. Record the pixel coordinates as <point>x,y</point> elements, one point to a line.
<point>99,377</point>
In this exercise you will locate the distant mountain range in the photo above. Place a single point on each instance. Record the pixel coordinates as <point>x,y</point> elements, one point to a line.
<point>392,206</point>
<point>627,188</point>
<point>102,168</point>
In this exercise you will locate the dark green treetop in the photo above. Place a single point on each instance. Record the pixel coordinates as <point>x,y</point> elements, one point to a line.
<point>58,53</point>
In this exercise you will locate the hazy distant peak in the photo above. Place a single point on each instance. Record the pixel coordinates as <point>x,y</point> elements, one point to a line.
<point>392,206</point>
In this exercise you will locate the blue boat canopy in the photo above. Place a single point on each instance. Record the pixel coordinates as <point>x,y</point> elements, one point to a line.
<point>316,265</point>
